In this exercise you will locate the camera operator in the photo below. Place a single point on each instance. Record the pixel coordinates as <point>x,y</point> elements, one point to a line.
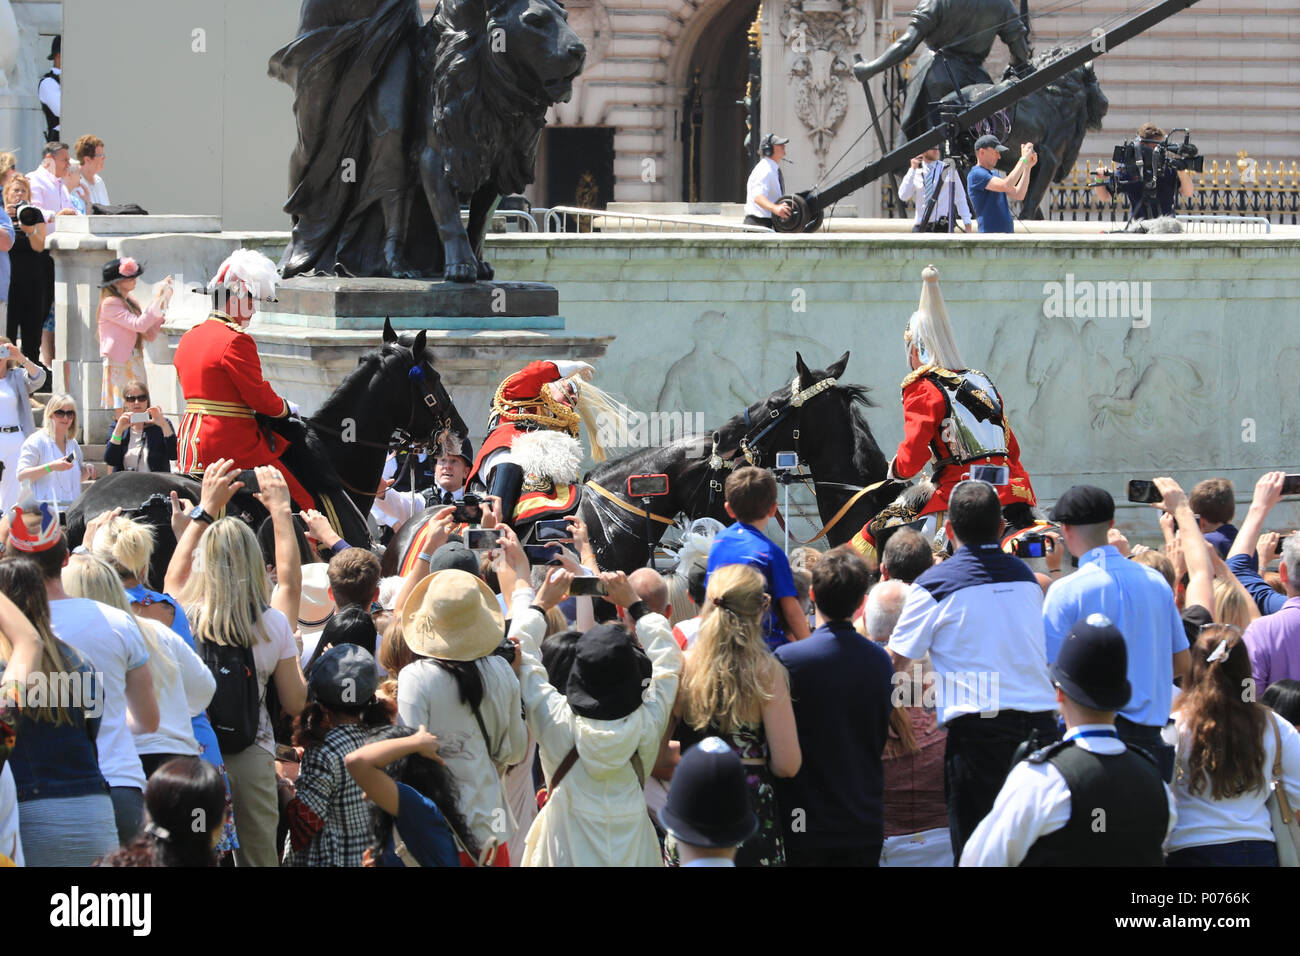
<point>766,184</point>
<point>1171,179</point>
<point>930,182</point>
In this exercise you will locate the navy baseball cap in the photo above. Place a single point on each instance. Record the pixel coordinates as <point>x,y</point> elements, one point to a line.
<point>989,141</point>
<point>1083,504</point>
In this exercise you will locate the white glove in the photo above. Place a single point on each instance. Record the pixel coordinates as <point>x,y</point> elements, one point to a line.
<point>293,409</point>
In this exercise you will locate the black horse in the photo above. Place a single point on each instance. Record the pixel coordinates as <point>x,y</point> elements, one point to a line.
<point>393,398</point>
<point>827,428</point>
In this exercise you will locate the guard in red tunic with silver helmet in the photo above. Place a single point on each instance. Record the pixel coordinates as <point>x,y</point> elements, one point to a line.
<point>532,456</point>
<point>952,415</point>
<point>221,376</point>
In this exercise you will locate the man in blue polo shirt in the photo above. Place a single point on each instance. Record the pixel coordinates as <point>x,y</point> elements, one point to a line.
<point>751,500</point>
<point>1137,599</point>
<point>989,192</point>
<point>979,616</point>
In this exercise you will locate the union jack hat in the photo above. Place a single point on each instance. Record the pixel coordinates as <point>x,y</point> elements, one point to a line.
<point>46,536</point>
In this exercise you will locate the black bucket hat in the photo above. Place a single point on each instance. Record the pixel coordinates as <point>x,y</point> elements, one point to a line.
<point>609,674</point>
<point>708,802</point>
<point>1092,665</point>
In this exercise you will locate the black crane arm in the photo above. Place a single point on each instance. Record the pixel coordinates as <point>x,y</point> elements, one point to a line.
<point>810,206</point>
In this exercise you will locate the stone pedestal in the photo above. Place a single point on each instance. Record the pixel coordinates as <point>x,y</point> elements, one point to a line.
<point>479,333</point>
<point>314,332</point>
<point>328,302</point>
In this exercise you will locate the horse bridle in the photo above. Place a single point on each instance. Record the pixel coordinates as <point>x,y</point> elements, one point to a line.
<point>796,402</point>
<point>401,439</point>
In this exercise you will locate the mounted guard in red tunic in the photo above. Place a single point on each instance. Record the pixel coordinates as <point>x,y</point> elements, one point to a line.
<point>953,416</point>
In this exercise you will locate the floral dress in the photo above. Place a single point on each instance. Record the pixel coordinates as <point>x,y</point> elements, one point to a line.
<point>767,846</point>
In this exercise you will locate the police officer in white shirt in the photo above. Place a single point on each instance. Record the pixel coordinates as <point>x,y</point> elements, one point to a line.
<point>766,184</point>
<point>1088,800</point>
<point>927,177</point>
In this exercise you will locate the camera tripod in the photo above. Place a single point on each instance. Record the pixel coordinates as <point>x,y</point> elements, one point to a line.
<point>950,175</point>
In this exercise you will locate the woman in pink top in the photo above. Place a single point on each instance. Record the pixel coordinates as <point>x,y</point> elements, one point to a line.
<point>123,326</point>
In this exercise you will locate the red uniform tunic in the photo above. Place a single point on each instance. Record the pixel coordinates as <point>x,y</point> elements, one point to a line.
<point>522,386</point>
<point>221,376</point>
<point>926,412</point>
<point>925,408</point>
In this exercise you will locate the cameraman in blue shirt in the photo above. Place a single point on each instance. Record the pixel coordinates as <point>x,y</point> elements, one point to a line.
<point>989,192</point>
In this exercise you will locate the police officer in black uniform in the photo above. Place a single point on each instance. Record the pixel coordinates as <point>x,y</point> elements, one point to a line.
<point>1088,800</point>
<point>50,92</point>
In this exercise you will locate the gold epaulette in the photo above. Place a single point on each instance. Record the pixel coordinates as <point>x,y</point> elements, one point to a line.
<point>226,320</point>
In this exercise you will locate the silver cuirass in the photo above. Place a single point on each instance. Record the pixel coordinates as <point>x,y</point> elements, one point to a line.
<point>969,434</point>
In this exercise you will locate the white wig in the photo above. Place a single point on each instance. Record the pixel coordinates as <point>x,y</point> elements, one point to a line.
<point>246,272</point>
<point>928,330</point>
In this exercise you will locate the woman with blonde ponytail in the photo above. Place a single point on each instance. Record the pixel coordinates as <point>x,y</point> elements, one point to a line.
<point>732,687</point>
<point>1228,747</point>
<point>182,681</point>
<point>127,546</point>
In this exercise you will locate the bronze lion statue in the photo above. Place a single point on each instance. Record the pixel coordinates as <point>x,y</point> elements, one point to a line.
<point>493,69</point>
<point>399,124</point>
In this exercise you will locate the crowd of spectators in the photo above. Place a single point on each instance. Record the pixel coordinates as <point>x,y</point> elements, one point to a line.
<point>475,712</point>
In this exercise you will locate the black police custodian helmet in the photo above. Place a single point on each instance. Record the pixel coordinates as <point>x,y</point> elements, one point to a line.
<point>1092,665</point>
<point>708,802</point>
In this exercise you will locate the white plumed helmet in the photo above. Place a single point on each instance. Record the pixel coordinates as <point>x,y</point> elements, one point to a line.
<point>928,330</point>
<point>246,272</point>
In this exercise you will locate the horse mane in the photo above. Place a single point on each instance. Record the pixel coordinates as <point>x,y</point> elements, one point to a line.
<point>339,404</point>
<point>868,459</point>
<point>487,126</point>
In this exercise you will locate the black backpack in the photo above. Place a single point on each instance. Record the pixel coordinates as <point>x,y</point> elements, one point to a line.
<point>237,703</point>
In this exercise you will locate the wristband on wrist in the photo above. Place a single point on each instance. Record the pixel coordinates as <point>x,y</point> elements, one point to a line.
<point>425,557</point>
<point>49,468</point>
<point>538,608</point>
<point>637,610</point>
<point>115,438</point>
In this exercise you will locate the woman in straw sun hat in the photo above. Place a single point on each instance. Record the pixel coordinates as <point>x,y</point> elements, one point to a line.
<point>467,696</point>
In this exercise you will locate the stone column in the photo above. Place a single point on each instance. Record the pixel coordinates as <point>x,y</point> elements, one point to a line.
<point>810,95</point>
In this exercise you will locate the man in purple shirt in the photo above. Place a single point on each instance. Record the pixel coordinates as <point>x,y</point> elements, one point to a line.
<point>1274,640</point>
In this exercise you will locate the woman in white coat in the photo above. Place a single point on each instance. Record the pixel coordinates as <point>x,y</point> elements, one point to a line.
<point>598,738</point>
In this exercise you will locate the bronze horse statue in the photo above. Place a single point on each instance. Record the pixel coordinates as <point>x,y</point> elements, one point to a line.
<point>1055,119</point>
<point>393,398</point>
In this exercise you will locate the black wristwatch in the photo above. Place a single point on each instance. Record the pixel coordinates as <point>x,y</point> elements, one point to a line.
<point>198,514</point>
<point>637,610</point>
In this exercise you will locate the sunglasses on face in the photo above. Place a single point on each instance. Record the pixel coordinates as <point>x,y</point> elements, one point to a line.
<point>136,398</point>
<point>64,413</point>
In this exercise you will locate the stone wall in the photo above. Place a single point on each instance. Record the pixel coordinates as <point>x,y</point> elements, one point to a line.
<point>1189,387</point>
<point>178,91</point>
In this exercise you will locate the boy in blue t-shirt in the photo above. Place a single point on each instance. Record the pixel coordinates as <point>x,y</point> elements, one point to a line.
<point>751,500</point>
